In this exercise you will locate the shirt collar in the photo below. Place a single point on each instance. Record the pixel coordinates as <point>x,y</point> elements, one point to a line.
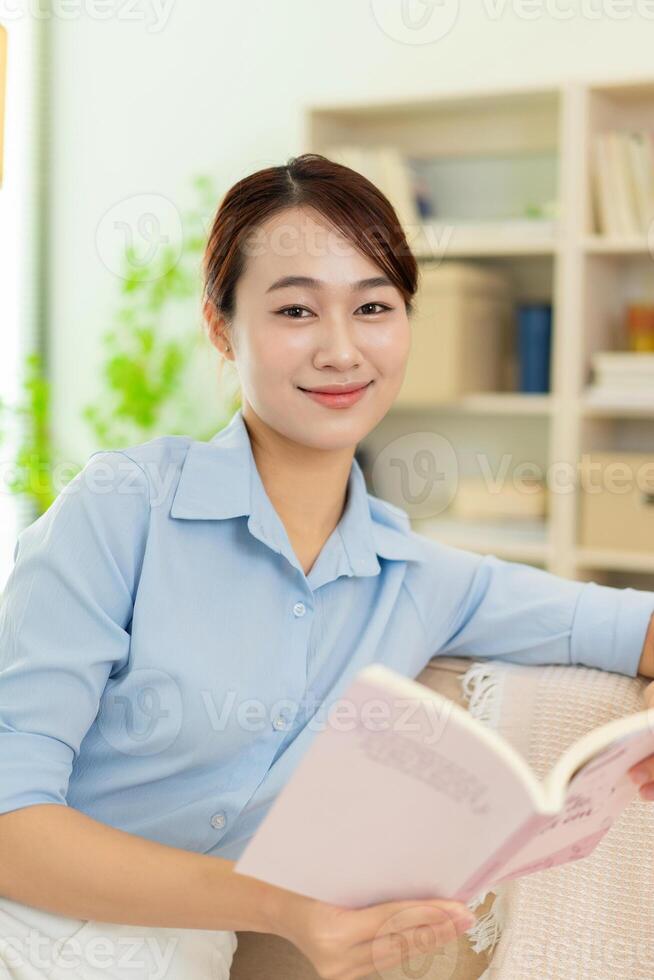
<point>220,480</point>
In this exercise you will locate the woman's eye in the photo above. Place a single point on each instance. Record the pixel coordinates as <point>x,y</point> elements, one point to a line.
<point>381,308</point>
<point>289,309</point>
<point>295,312</point>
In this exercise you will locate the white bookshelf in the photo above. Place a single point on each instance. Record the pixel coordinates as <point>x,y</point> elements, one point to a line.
<point>617,410</point>
<point>603,245</point>
<point>588,277</point>
<point>626,561</point>
<point>526,542</point>
<point>501,403</point>
<point>464,244</point>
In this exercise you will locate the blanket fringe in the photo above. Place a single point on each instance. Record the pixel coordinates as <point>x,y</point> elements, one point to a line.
<point>486,931</point>
<point>482,689</point>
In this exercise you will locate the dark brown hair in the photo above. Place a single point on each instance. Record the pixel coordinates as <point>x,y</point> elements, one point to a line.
<point>350,202</point>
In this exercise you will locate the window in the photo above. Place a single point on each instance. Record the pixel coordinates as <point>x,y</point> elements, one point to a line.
<point>20,248</point>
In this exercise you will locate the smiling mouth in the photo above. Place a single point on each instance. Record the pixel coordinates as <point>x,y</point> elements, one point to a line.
<point>345,390</point>
<point>337,399</point>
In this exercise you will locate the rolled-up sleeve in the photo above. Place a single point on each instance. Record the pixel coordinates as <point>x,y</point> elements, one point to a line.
<point>64,623</point>
<point>512,611</point>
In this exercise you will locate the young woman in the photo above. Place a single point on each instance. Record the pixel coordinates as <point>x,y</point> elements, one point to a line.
<point>183,610</point>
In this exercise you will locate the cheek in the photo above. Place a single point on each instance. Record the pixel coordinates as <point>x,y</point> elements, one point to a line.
<point>390,346</point>
<point>275,354</point>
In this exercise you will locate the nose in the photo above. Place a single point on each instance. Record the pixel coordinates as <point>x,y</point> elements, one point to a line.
<point>337,344</point>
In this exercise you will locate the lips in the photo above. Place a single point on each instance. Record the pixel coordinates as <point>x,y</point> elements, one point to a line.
<point>337,396</point>
<point>337,389</point>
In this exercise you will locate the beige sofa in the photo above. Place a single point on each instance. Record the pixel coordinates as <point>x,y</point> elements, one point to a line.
<point>261,956</point>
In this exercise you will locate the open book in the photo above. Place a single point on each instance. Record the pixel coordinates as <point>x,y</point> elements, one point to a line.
<point>404,795</point>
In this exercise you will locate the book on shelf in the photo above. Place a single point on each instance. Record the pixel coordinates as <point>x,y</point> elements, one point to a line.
<point>612,366</point>
<point>403,794</point>
<point>621,376</point>
<point>391,172</point>
<point>618,398</point>
<point>640,150</point>
<point>623,182</point>
<point>388,169</point>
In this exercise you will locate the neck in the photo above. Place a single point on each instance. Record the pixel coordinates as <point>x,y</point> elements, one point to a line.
<point>306,486</point>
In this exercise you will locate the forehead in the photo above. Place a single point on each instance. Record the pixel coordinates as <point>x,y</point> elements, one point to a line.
<point>299,240</point>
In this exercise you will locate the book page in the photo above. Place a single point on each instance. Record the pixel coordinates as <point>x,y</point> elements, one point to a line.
<point>406,798</point>
<point>597,793</point>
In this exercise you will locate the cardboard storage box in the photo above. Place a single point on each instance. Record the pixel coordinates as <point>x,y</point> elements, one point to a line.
<point>475,500</point>
<point>617,501</point>
<point>459,330</point>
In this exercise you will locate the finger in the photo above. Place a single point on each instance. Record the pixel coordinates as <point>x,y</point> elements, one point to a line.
<point>391,948</point>
<point>643,771</point>
<point>441,927</point>
<point>397,916</point>
<point>412,943</point>
<point>647,792</point>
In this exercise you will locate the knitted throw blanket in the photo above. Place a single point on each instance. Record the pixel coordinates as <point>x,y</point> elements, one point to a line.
<point>589,918</point>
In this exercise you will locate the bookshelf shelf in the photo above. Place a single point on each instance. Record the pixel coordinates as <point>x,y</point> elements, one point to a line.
<point>618,561</point>
<point>526,543</point>
<point>460,244</point>
<point>616,410</point>
<point>588,277</point>
<point>605,245</point>
<point>507,404</point>
<point>495,403</point>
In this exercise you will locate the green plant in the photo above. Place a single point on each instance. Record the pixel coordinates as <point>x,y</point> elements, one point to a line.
<point>144,391</point>
<point>33,462</point>
<point>143,370</point>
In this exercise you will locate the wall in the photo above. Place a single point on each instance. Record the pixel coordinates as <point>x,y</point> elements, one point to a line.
<point>164,89</point>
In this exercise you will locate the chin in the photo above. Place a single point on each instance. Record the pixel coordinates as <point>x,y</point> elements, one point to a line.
<point>344,431</point>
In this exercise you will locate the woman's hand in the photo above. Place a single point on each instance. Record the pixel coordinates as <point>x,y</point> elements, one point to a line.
<point>345,944</point>
<point>643,773</point>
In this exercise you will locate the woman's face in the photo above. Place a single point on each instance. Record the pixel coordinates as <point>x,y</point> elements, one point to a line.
<point>287,337</point>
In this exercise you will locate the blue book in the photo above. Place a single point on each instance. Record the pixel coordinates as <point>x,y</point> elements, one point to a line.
<point>534,347</point>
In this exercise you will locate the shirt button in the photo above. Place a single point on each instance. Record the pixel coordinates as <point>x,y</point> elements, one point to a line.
<point>280,723</point>
<point>218,820</point>
<point>299,609</point>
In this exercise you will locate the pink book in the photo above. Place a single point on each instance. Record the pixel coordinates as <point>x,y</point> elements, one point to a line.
<point>404,795</point>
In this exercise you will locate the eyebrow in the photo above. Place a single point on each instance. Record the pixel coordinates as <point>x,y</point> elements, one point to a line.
<point>312,283</point>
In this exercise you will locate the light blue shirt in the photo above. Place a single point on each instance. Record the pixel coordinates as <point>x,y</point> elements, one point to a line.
<point>165,661</point>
